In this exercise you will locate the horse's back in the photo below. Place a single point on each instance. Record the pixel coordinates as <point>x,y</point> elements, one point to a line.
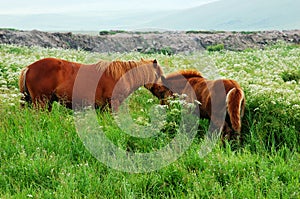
<point>50,68</point>
<point>51,65</point>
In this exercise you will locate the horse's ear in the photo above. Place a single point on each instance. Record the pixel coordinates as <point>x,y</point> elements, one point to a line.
<point>155,63</point>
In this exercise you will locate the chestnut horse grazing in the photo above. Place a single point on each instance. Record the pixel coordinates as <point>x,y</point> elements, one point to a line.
<point>51,79</point>
<point>222,101</point>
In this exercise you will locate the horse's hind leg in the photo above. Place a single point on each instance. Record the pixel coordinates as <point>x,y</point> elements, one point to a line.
<point>25,99</point>
<point>217,123</point>
<point>42,102</point>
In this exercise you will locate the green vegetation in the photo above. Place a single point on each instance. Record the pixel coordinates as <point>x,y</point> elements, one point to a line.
<point>12,29</point>
<point>245,32</point>
<point>145,32</point>
<point>164,51</point>
<point>217,47</point>
<point>249,32</point>
<point>42,155</point>
<point>111,32</point>
<point>204,32</point>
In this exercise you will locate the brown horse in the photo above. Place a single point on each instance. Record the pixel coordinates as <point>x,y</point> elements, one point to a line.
<point>222,101</point>
<point>50,79</point>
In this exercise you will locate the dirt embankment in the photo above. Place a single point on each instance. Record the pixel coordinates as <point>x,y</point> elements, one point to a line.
<point>176,42</point>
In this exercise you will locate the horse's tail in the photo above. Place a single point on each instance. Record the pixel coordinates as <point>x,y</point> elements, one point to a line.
<point>235,101</point>
<point>22,86</point>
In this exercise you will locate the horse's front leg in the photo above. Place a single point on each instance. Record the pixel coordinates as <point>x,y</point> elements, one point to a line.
<point>118,98</point>
<point>114,105</point>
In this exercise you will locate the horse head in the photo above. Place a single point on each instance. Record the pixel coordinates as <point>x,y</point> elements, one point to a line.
<point>154,70</point>
<point>160,90</point>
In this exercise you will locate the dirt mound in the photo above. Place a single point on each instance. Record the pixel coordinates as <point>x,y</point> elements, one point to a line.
<point>171,42</point>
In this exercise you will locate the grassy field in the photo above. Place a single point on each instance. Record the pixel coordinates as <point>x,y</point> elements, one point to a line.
<point>42,155</point>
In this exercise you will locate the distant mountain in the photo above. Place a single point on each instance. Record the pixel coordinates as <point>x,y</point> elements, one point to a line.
<point>235,15</point>
<point>128,20</point>
<point>218,15</point>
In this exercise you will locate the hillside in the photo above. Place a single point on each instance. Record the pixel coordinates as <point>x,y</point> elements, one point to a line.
<point>174,42</point>
<point>79,21</point>
<point>235,15</point>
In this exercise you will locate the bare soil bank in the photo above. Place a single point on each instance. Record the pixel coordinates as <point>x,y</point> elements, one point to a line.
<point>175,42</point>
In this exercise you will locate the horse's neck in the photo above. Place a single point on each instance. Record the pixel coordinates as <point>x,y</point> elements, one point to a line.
<point>188,76</point>
<point>137,77</point>
<point>197,80</point>
<point>178,83</point>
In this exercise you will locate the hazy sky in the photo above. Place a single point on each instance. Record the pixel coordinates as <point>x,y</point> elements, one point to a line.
<point>81,6</point>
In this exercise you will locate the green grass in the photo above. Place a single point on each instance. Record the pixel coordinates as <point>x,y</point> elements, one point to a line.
<point>42,155</point>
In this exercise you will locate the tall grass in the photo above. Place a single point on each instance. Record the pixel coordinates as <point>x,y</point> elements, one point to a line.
<point>42,156</point>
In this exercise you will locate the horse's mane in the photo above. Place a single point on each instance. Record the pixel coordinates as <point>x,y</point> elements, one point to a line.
<point>186,73</point>
<point>118,68</point>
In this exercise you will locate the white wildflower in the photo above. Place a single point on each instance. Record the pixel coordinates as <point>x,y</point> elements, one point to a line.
<point>150,101</point>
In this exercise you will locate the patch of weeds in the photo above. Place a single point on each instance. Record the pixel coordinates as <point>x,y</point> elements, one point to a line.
<point>214,48</point>
<point>164,51</point>
<point>288,76</point>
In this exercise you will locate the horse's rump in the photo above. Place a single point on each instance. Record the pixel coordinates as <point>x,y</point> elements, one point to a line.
<point>23,88</point>
<point>219,98</point>
<point>235,101</point>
